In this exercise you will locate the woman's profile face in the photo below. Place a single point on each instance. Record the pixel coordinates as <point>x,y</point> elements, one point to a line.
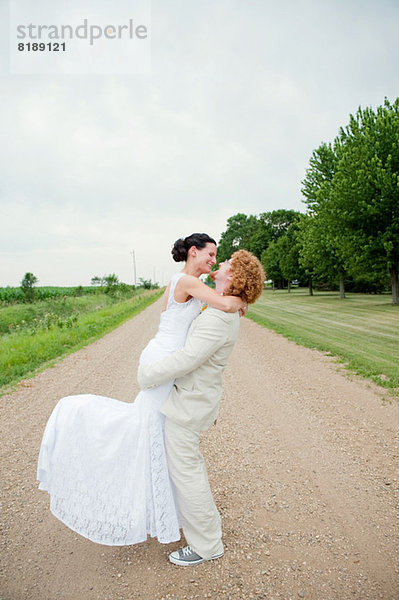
<point>205,257</point>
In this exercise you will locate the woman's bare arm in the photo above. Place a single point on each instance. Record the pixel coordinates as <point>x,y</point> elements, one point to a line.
<point>192,286</point>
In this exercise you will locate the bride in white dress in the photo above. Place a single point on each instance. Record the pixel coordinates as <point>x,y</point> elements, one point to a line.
<point>103,461</point>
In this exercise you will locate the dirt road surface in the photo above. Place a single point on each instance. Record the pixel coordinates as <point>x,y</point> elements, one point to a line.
<point>303,463</point>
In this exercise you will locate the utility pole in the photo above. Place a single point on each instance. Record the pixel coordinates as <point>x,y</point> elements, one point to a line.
<point>134,266</point>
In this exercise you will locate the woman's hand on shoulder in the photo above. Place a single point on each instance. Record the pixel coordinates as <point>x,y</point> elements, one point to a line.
<point>234,303</point>
<point>242,312</point>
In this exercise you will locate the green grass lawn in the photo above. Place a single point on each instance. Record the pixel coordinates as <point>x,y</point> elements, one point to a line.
<point>25,350</point>
<point>362,330</point>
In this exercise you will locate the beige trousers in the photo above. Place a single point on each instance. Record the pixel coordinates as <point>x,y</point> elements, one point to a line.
<point>199,516</point>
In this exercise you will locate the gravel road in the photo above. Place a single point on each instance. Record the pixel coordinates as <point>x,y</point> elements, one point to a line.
<point>303,463</point>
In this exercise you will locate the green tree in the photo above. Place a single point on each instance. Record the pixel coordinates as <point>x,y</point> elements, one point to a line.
<point>270,227</point>
<point>27,286</point>
<point>319,254</point>
<point>316,185</point>
<point>321,248</point>
<point>270,260</point>
<point>288,247</point>
<point>147,284</point>
<point>240,228</point>
<point>254,233</point>
<point>281,258</point>
<point>365,193</point>
<point>96,280</point>
<point>308,250</point>
<point>124,288</point>
<point>111,281</point>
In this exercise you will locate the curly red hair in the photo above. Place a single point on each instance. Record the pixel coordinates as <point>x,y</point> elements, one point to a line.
<point>248,276</point>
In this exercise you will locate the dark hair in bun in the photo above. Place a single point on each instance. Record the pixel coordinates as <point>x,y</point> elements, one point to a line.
<point>182,246</point>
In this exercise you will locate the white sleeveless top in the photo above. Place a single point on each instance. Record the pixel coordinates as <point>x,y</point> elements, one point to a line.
<point>176,319</point>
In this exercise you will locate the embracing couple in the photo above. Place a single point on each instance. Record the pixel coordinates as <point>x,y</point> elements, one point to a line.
<point>117,472</point>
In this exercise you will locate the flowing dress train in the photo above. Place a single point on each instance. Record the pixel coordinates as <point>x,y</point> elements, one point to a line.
<point>103,461</point>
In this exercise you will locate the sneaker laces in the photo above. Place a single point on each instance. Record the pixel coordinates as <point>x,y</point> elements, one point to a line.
<point>187,551</point>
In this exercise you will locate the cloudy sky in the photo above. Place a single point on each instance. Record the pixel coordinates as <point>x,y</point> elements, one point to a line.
<point>238,96</point>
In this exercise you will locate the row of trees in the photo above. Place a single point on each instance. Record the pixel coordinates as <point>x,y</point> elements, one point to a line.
<point>27,292</point>
<point>350,230</point>
<point>111,282</point>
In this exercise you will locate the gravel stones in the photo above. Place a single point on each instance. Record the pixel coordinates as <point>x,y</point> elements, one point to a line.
<point>302,463</point>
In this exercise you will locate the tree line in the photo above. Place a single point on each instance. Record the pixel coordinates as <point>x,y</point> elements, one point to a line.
<point>111,282</point>
<point>349,234</point>
<point>108,284</point>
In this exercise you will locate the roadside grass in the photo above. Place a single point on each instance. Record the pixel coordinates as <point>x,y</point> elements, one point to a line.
<point>24,352</point>
<point>362,330</point>
<point>22,315</point>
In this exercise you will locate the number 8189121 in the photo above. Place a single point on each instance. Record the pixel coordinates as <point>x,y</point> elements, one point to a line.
<point>41,46</point>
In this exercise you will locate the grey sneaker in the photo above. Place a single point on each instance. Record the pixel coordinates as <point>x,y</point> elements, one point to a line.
<point>186,557</point>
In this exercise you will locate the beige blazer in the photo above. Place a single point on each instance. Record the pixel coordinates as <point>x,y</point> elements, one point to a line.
<point>197,370</point>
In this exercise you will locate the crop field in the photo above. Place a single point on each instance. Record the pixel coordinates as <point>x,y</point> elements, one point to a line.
<point>33,334</point>
<point>362,330</point>
<point>15,294</point>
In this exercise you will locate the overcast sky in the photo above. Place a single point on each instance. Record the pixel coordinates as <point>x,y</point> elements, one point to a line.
<point>238,96</point>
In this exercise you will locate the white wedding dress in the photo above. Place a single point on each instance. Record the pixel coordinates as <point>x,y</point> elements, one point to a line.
<point>103,461</point>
